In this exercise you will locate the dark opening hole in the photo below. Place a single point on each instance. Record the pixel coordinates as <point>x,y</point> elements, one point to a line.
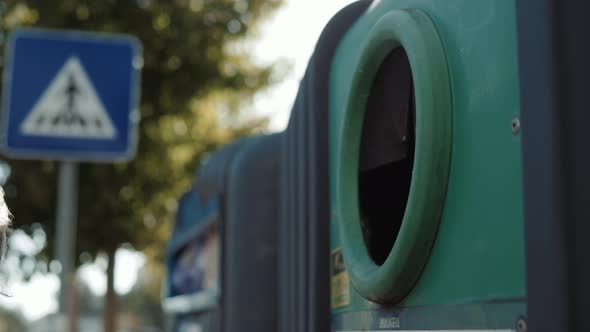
<point>386,154</point>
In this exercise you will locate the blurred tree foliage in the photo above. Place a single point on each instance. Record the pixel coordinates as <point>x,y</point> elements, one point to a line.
<point>196,77</point>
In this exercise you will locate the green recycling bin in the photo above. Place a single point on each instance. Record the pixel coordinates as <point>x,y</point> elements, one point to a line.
<point>425,171</point>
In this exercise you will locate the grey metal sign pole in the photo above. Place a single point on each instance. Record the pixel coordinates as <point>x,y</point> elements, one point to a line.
<point>67,211</point>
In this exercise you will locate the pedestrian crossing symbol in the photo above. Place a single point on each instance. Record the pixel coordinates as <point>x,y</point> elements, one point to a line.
<point>69,107</point>
<point>70,95</point>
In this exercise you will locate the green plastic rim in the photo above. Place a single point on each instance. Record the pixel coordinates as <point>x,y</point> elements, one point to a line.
<point>392,281</point>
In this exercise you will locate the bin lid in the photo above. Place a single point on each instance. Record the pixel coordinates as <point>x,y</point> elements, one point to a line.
<point>211,176</point>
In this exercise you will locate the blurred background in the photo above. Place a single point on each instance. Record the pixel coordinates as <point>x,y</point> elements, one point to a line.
<point>213,71</point>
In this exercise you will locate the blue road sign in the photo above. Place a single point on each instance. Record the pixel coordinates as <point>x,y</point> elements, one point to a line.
<point>70,95</point>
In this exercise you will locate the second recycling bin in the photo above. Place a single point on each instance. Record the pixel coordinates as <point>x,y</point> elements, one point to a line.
<point>222,257</point>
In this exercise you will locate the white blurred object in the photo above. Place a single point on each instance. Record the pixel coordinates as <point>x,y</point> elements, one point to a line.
<point>4,214</point>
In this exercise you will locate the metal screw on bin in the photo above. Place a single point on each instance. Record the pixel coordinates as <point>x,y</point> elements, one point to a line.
<point>521,325</point>
<point>515,126</point>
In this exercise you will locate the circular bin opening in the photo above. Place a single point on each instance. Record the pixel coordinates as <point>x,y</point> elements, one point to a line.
<point>386,154</point>
<point>393,155</point>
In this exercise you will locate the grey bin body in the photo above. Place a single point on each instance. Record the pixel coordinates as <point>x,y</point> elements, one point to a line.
<point>243,178</point>
<point>305,216</point>
<point>249,296</point>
